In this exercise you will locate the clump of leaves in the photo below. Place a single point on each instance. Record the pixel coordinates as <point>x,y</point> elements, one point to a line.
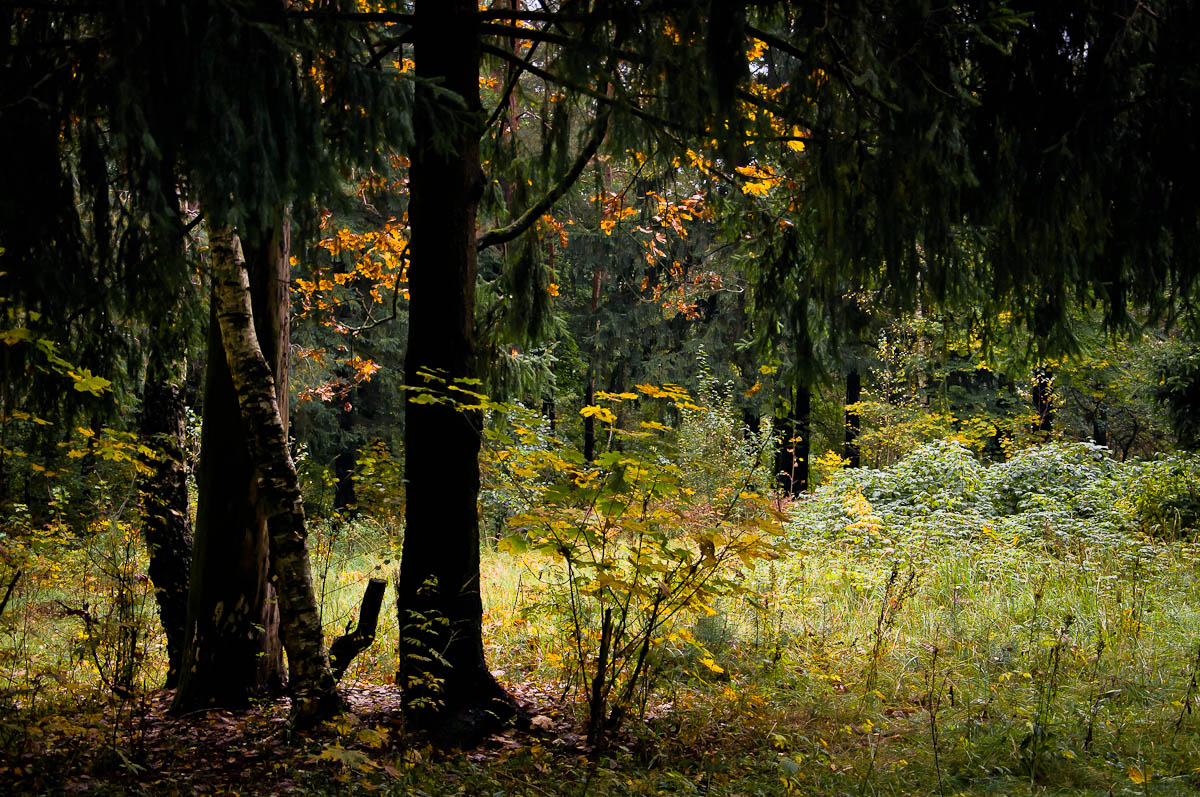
<point>1165,495</point>
<point>1057,493</point>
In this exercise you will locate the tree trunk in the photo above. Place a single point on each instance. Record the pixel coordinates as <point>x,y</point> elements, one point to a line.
<point>166,522</point>
<point>1100,426</point>
<point>803,426</point>
<point>348,645</point>
<point>232,649</point>
<point>446,682</point>
<point>853,422</point>
<point>793,443</point>
<point>1042,393</point>
<point>589,423</point>
<point>310,679</point>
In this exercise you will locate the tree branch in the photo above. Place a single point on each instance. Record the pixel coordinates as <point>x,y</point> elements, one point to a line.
<point>354,16</point>
<point>346,647</point>
<point>533,69</point>
<point>8,592</point>
<point>772,40</point>
<point>527,219</point>
<point>539,35</point>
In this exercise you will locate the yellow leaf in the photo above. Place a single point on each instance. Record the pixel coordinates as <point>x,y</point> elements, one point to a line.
<point>1139,775</point>
<point>603,413</point>
<point>756,188</point>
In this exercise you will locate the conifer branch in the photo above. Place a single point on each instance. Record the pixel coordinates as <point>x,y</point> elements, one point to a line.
<point>588,91</point>
<point>559,16</point>
<point>355,16</point>
<point>527,219</point>
<point>540,35</point>
<point>772,40</point>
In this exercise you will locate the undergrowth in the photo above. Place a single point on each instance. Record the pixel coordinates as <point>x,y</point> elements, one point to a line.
<point>938,627</point>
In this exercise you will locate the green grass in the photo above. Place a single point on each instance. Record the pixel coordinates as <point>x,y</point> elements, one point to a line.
<point>907,659</point>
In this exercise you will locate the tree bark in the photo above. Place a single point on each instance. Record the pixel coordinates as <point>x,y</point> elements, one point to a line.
<point>232,650</point>
<point>348,645</point>
<point>1100,426</point>
<point>447,686</point>
<point>793,444</point>
<point>802,420</point>
<point>166,521</point>
<point>1042,393</point>
<point>310,679</point>
<point>850,449</point>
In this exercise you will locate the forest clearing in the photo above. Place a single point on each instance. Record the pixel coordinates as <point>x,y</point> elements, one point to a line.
<point>598,397</point>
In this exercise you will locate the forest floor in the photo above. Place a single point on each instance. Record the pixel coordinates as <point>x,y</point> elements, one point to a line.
<point>934,652</point>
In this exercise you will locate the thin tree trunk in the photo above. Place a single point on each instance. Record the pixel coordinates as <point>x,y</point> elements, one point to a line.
<point>166,521</point>
<point>1100,426</point>
<point>311,681</point>
<point>802,420</point>
<point>344,463</point>
<point>589,423</point>
<point>1042,393</point>
<point>850,449</point>
<point>792,442</point>
<point>447,685</point>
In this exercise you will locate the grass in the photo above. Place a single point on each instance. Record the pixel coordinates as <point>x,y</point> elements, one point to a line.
<point>855,664</point>
<point>1037,673</point>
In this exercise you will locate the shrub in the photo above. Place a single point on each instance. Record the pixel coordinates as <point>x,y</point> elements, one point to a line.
<point>1165,495</point>
<point>1057,474</point>
<point>1056,492</point>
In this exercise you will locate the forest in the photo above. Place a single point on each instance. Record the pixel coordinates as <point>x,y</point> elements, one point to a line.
<point>566,397</point>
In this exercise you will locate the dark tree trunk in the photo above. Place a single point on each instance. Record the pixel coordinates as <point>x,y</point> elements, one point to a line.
<point>802,423</point>
<point>589,398</point>
<point>166,522</point>
<point>589,423</point>
<point>348,645</point>
<point>233,650</point>
<point>1100,426</point>
<point>344,498</point>
<point>850,450</point>
<point>446,682</point>
<point>792,443</point>
<point>346,458</point>
<point>1042,393</point>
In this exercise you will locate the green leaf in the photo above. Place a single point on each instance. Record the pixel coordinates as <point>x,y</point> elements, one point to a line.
<point>513,544</point>
<point>87,382</point>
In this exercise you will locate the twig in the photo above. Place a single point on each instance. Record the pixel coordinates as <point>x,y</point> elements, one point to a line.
<point>16,576</point>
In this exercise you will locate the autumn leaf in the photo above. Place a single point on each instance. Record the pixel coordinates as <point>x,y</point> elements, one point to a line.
<point>603,413</point>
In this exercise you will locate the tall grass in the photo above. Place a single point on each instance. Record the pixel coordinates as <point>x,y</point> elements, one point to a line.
<point>949,636</point>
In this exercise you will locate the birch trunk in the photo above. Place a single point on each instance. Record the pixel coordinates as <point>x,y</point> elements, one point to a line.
<point>232,647</point>
<point>312,683</point>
